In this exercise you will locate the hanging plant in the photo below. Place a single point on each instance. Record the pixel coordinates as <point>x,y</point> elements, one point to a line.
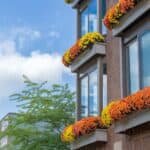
<point>114,14</point>
<point>80,46</point>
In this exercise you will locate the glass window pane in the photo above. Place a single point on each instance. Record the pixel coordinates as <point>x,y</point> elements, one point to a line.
<point>133,67</point>
<point>89,18</point>
<point>92,10</point>
<point>93,103</point>
<point>84,97</point>
<point>104,29</point>
<point>104,85</point>
<point>104,90</point>
<point>84,21</point>
<point>145,64</point>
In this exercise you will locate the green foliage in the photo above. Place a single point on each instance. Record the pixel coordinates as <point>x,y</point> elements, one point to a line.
<point>43,113</point>
<point>69,1</point>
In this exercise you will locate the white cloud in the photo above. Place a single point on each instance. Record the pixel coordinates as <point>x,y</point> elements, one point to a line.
<point>54,34</point>
<point>22,35</point>
<point>26,32</point>
<point>7,47</point>
<point>37,66</point>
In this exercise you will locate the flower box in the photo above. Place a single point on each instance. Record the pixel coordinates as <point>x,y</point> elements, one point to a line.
<point>98,49</point>
<point>100,135</point>
<point>141,8</point>
<point>133,120</point>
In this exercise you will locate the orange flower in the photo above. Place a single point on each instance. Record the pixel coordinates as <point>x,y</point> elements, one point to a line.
<point>81,45</point>
<point>116,11</point>
<point>137,101</point>
<point>87,125</point>
<point>75,50</point>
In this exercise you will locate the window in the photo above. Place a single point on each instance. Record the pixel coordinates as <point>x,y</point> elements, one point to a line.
<point>93,89</point>
<point>103,8</point>
<point>134,67</point>
<point>104,85</point>
<point>84,97</point>
<point>89,88</point>
<point>89,17</point>
<point>93,102</point>
<point>139,62</point>
<point>145,60</point>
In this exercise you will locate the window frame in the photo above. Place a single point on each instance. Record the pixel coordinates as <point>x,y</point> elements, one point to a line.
<point>87,74</point>
<point>98,64</point>
<point>141,54</point>
<point>136,37</point>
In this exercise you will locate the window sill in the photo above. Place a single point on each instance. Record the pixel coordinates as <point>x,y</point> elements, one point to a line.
<point>96,50</point>
<point>133,120</point>
<point>140,9</point>
<point>100,135</point>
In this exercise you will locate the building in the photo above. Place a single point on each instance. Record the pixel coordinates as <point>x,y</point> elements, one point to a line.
<point>113,69</point>
<point>4,123</point>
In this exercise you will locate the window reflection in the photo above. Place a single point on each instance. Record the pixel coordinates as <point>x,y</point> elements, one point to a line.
<point>84,21</point>
<point>133,67</point>
<point>93,103</point>
<point>89,18</point>
<point>145,51</point>
<point>84,97</point>
<point>93,16</point>
<point>104,29</point>
<point>104,85</point>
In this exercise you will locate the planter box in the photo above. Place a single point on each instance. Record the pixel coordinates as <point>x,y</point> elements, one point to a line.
<point>141,8</point>
<point>133,120</point>
<point>100,135</point>
<point>98,49</point>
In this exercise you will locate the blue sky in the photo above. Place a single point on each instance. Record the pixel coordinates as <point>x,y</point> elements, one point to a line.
<point>33,36</point>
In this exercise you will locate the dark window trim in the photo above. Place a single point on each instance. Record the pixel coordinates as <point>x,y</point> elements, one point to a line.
<point>91,69</point>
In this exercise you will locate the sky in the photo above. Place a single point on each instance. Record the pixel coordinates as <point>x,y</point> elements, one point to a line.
<point>33,36</point>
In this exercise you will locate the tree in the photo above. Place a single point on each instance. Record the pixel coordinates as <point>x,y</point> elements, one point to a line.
<point>43,113</point>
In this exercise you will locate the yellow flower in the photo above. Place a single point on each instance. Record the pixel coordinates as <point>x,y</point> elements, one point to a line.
<point>67,57</point>
<point>83,44</point>
<point>106,118</point>
<point>68,134</point>
<point>89,39</point>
